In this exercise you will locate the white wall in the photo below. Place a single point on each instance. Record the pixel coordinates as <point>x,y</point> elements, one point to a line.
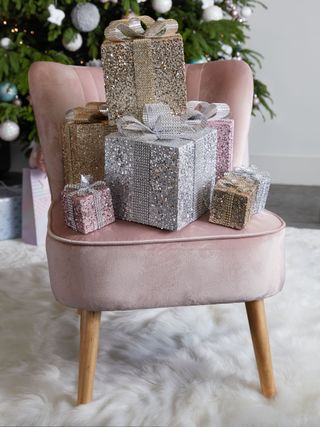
<point>289,38</point>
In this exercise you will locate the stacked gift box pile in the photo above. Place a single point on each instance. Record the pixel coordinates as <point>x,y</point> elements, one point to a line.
<point>147,155</point>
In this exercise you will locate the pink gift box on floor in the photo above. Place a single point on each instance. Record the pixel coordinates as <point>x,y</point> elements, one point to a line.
<point>87,207</point>
<point>216,116</point>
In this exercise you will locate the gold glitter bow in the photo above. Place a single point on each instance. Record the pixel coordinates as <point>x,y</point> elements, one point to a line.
<point>206,110</point>
<point>159,123</point>
<point>131,28</point>
<point>92,112</point>
<point>238,183</point>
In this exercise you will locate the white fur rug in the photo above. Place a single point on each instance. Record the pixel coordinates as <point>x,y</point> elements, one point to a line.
<point>186,367</point>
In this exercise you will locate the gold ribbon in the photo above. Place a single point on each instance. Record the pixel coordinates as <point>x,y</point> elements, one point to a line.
<point>238,183</point>
<point>124,29</point>
<point>92,112</point>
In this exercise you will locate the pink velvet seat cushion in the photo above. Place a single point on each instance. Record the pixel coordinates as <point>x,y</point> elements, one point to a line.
<point>129,266</point>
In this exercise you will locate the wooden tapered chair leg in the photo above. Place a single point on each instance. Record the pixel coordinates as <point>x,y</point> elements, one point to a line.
<point>89,344</point>
<point>260,339</point>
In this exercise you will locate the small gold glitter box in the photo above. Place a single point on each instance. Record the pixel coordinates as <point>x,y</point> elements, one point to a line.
<point>232,201</point>
<point>83,134</point>
<point>140,69</point>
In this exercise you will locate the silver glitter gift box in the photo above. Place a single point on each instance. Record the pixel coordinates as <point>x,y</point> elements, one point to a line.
<point>10,212</point>
<point>87,207</point>
<point>262,179</point>
<point>161,172</point>
<point>143,66</point>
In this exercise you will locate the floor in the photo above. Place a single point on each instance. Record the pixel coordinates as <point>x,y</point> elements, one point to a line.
<point>298,205</point>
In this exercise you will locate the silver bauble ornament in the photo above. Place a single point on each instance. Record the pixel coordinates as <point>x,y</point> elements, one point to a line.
<point>246,12</point>
<point>74,44</point>
<point>234,13</point>
<point>162,6</point>
<point>256,100</point>
<point>212,13</point>
<point>9,131</point>
<point>17,101</point>
<point>85,17</point>
<point>5,42</point>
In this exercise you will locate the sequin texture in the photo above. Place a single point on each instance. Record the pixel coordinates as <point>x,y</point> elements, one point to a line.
<point>141,71</point>
<point>225,134</point>
<point>232,201</point>
<point>166,184</point>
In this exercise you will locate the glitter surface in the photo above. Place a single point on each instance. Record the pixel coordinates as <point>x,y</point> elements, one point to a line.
<point>263,180</point>
<point>142,71</point>
<point>87,209</point>
<point>225,132</point>
<point>166,184</point>
<point>10,212</point>
<point>232,201</point>
<point>83,149</point>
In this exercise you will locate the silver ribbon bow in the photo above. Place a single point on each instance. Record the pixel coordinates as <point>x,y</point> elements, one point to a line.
<point>207,110</point>
<point>85,187</point>
<point>252,171</point>
<point>131,28</point>
<point>159,123</point>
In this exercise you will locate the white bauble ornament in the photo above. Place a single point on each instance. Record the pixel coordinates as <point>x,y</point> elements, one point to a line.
<point>74,44</point>
<point>207,3</point>
<point>227,49</point>
<point>212,13</point>
<point>85,17</point>
<point>5,42</point>
<point>56,15</point>
<point>246,12</point>
<point>9,131</point>
<point>162,6</point>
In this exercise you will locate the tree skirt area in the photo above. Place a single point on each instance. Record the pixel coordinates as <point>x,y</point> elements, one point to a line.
<point>191,366</point>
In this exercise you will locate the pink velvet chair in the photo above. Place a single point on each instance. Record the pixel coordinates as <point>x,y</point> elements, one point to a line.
<point>129,266</point>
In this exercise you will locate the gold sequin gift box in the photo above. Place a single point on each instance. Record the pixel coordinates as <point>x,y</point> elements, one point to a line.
<point>143,66</point>
<point>83,134</point>
<point>87,207</point>
<point>232,201</point>
<point>161,172</point>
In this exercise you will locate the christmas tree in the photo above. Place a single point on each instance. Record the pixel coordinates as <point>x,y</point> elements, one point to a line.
<point>71,32</point>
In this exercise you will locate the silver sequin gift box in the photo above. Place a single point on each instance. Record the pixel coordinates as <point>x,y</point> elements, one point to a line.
<point>161,172</point>
<point>143,66</point>
<point>262,179</point>
<point>87,207</point>
<point>10,212</point>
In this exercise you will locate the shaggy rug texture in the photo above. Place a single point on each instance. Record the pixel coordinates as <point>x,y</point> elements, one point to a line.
<point>186,367</point>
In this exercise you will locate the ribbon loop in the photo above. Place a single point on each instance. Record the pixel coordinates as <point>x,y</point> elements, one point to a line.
<point>238,183</point>
<point>131,28</point>
<point>206,110</point>
<point>159,123</point>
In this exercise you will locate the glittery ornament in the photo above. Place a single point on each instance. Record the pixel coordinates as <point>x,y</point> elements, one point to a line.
<point>83,135</point>
<point>232,201</point>
<point>87,207</point>
<point>263,181</point>
<point>85,17</point>
<point>246,12</point>
<point>8,91</point>
<point>9,130</point>
<point>74,44</point>
<point>212,13</point>
<point>165,183</point>
<point>139,71</point>
<point>56,15</point>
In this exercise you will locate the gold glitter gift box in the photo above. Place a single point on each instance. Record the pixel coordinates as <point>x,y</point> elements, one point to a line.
<point>232,201</point>
<point>83,134</point>
<point>143,66</point>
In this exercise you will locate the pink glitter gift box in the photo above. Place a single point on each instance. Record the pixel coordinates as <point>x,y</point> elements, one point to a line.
<point>216,116</point>
<point>87,207</point>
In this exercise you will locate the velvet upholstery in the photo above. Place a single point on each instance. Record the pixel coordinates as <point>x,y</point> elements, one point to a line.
<point>127,265</point>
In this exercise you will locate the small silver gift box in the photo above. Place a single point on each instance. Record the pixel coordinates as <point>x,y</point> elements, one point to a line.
<point>262,179</point>
<point>10,212</point>
<point>161,172</point>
